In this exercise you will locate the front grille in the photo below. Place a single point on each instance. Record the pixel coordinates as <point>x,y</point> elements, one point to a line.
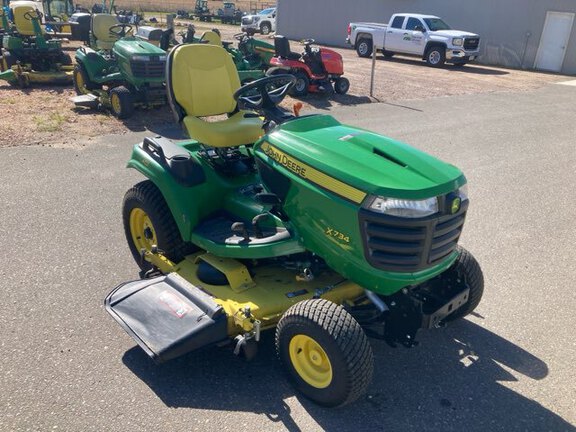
<point>246,20</point>
<point>471,43</point>
<point>148,69</point>
<point>409,245</point>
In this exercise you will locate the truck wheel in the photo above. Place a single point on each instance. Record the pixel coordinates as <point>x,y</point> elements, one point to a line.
<point>388,54</point>
<point>325,352</point>
<point>148,221</point>
<point>300,87</point>
<point>265,28</point>
<point>341,85</point>
<point>436,56</point>
<point>121,102</point>
<point>464,273</point>
<point>364,47</point>
<point>82,82</point>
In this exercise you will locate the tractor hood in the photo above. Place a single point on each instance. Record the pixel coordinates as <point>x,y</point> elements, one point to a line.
<point>131,46</point>
<point>357,158</point>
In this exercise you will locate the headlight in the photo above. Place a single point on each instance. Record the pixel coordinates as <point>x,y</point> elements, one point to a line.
<point>463,192</point>
<point>140,58</point>
<point>457,41</point>
<point>401,207</point>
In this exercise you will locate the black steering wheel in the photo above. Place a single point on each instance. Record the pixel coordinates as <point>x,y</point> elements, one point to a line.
<point>120,30</point>
<point>240,36</point>
<point>265,93</point>
<point>36,14</point>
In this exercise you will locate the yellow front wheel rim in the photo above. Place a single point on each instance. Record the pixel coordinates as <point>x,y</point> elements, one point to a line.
<point>115,102</point>
<point>310,361</point>
<point>142,230</point>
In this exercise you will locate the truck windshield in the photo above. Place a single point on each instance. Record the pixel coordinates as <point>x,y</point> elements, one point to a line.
<point>266,11</point>
<point>435,24</point>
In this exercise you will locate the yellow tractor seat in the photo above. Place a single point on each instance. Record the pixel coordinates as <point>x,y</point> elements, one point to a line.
<point>101,24</point>
<point>211,37</point>
<point>24,26</point>
<point>201,82</point>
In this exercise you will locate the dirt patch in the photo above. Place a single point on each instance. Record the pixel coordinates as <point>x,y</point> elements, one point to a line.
<point>46,116</point>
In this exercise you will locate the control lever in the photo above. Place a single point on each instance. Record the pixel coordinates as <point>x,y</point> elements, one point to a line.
<point>240,229</point>
<point>255,224</point>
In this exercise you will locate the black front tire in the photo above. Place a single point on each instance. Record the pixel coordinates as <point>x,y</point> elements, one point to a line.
<point>325,352</point>
<point>464,273</point>
<point>436,56</point>
<point>300,87</point>
<point>341,85</point>
<point>265,28</point>
<point>121,103</point>
<point>146,198</point>
<point>388,54</point>
<point>364,47</point>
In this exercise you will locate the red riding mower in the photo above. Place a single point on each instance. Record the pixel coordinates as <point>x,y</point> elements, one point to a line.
<point>315,69</point>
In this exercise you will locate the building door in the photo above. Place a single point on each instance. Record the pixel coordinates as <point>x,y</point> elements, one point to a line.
<point>554,41</point>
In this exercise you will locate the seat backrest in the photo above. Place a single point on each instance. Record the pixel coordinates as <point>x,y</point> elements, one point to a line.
<point>24,26</point>
<point>211,38</point>
<point>101,24</point>
<point>281,46</point>
<point>201,80</point>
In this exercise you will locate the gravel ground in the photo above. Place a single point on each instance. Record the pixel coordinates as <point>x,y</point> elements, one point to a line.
<point>46,116</point>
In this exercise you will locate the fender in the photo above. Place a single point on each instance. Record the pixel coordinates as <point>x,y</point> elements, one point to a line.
<point>183,209</point>
<point>94,64</point>
<point>432,43</point>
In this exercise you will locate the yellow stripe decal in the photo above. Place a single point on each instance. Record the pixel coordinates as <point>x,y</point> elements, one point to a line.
<point>313,175</point>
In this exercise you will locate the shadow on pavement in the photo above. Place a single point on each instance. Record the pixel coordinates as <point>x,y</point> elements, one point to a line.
<point>324,101</point>
<point>469,68</point>
<point>452,381</point>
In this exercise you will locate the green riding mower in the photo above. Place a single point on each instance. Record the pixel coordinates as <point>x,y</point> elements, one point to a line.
<point>29,57</point>
<point>328,233</point>
<point>118,71</point>
<point>249,64</point>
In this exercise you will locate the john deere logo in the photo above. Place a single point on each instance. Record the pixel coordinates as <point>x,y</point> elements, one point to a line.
<point>455,205</point>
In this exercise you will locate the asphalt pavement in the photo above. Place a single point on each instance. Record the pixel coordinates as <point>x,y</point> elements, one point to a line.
<point>66,365</point>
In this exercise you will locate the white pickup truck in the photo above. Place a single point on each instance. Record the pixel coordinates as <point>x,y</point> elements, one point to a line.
<point>263,22</point>
<point>426,36</point>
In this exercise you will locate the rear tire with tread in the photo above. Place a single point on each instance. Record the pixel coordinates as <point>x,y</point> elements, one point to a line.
<point>300,87</point>
<point>82,82</point>
<point>343,347</point>
<point>364,47</point>
<point>147,197</point>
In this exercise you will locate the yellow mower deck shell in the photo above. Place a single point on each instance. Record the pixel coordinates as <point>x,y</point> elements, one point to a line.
<point>268,294</point>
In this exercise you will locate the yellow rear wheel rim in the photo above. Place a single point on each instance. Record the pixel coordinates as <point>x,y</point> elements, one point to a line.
<point>310,361</point>
<point>115,102</point>
<point>80,81</point>
<point>142,230</point>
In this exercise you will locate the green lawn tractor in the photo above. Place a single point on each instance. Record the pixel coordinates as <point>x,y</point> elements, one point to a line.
<point>27,55</point>
<point>249,64</point>
<point>326,233</point>
<point>118,71</point>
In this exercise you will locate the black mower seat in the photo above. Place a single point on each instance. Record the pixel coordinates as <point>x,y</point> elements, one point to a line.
<point>282,48</point>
